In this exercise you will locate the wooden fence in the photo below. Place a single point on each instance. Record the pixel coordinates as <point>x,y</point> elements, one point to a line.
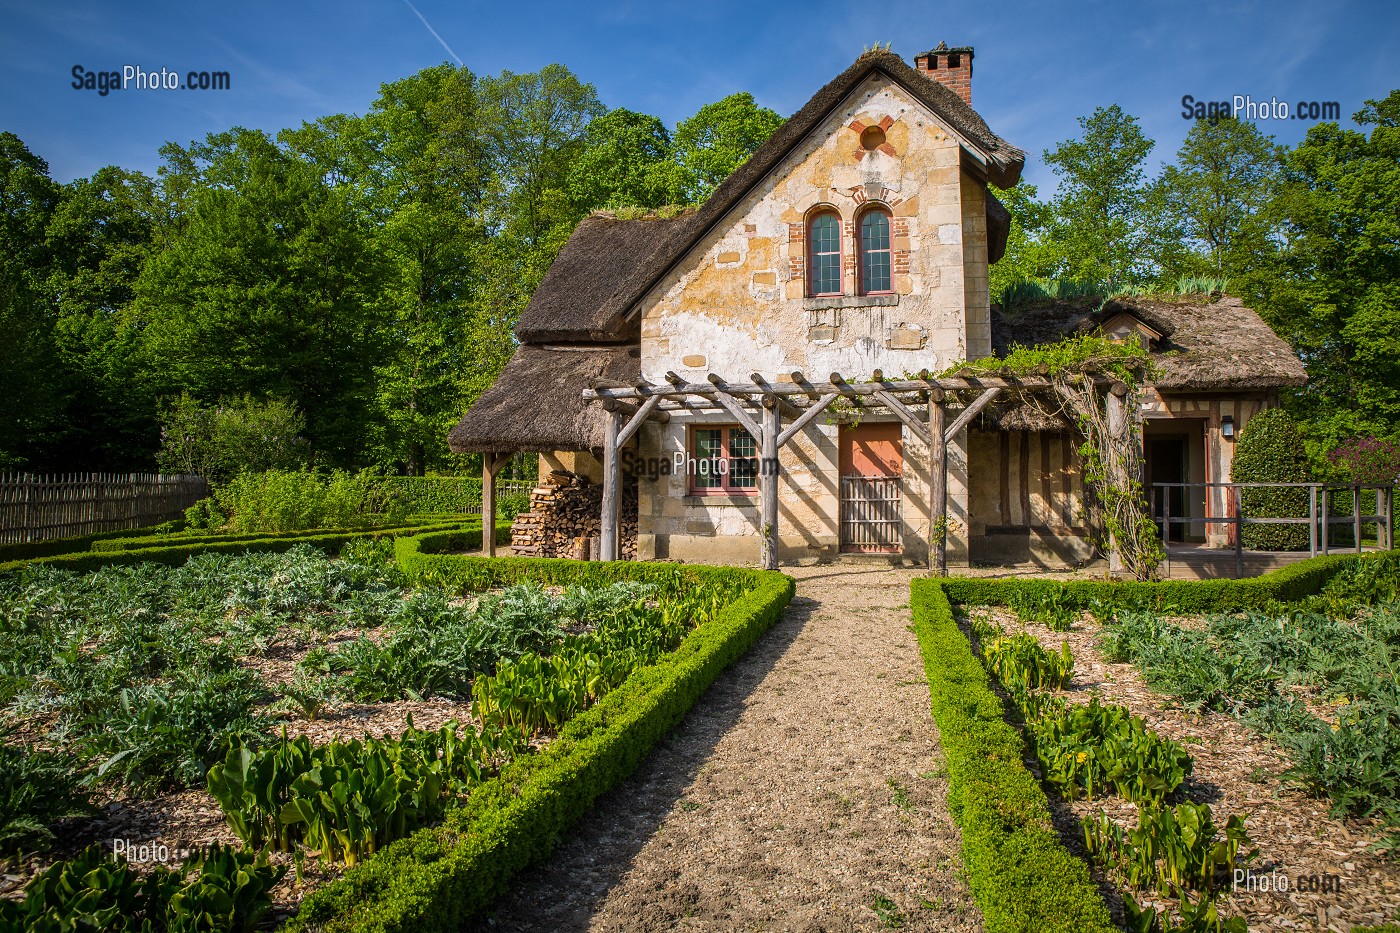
<point>37,508</point>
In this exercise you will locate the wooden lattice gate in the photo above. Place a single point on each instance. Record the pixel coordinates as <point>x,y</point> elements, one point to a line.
<point>871,514</point>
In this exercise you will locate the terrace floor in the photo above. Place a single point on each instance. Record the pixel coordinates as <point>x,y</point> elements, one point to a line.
<point>806,790</point>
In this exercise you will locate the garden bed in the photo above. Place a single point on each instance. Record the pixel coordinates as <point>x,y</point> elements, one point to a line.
<point>294,644</point>
<point>1237,771</point>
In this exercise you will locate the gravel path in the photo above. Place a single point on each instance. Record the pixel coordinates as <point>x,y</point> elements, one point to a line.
<point>805,791</point>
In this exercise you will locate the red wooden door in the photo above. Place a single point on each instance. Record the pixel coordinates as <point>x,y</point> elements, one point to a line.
<point>871,459</point>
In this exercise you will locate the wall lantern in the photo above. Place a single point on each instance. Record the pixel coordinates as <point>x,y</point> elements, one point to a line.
<point>1227,427</point>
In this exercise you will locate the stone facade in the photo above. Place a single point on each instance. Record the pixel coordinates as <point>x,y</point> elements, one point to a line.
<point>738,305</point>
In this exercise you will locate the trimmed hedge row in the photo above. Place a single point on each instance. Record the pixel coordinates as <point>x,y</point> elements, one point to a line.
<point>1293,582</point>
<point>1023,878</point>
<point>27,550</point>
<point>179,553</point>
<point>438,878</point>
<point>426,522</point>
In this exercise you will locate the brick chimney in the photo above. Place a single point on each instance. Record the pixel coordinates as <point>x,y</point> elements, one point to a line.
<point>951,68</point>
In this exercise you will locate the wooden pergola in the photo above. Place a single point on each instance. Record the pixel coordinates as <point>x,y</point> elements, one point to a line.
<point>761,407</point>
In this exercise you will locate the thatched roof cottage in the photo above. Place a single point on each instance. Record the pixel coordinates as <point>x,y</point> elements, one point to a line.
<point>856,243</point>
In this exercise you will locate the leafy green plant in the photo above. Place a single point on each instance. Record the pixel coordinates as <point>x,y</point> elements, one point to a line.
<point>155,737</point>
<point>1049,607</point>
<point>37,789</point>
<point>1020,663</point>
<point>346,799</point>
<point>1171,850</point>
<point>1095,748</point>
<point>217,890</point>
<point>1199,916</point>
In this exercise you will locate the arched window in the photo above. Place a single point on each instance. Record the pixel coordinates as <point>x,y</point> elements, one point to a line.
<point>824,253</point>
<point>873,248</point>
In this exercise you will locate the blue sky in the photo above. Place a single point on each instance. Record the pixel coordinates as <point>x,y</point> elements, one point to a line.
<point>1038,65</point>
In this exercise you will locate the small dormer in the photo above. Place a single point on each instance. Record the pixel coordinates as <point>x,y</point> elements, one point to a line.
<point>1124,326</point>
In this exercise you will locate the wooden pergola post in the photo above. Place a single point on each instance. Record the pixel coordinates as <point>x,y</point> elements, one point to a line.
<point>491,465</point>
<point>768,482</point>
<point>612,482</point>
<point>938,481</point>
<point>1117,424</point>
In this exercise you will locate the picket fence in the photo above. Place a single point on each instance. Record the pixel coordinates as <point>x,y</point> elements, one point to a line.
<point>38,508</point>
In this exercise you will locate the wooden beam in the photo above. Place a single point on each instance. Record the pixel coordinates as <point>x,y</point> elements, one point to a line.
<point>768,479</point>
<point>970,412</point>
<point>813,410</point>
<point>634,423</point>
<point>905,414</point>
<point>788,408</point>
<point>491,465</point>
<point>959,383</point>
<point>938,477</point>
<point>732,406</point>
<point>612,482</point>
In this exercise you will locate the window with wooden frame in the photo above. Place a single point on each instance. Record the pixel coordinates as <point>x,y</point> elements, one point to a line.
<point>873,252</point>
<point>723,461</point>
<point>824,254</point>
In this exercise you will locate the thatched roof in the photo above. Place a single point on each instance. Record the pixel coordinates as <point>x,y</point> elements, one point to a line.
<point>998,228</point>
<point>1206,345</point>
<point>537,402</point>
<point>1211,344</point>
<point>609,264</point>
<point>572,301</point>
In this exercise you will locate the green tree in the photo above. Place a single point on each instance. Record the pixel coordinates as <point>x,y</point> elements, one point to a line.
<point>31,381</point>
<point>268,285</point>
<point>718,139</point>
<point>1030,253</point>
<point>1109,220</point>
<point>232,436</point>
<point>626,161</point>
<point>99,238</point>
<point>1226,174</point>
<point>1334,293</point>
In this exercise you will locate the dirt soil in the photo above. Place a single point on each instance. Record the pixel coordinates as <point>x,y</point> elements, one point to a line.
<point>806,790</point>
<point>1236,771</point>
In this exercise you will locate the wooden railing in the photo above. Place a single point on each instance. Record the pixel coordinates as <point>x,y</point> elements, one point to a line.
<point>37,508</point>
<point>1320,518</point>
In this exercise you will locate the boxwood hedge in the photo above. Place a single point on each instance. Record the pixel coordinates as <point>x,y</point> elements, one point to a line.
<point>438,878</point>
<point>1022,877</point>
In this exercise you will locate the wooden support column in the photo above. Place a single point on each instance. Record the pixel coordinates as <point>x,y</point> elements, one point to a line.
<point>1312,520</point>
<point>768,480</point>
<point>612,482</point>
<point>491,465</point>
<point>938,481</point>
<point>1356,515</point>
<point>1117,424</point>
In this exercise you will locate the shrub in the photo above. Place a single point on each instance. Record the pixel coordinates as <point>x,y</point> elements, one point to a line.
<point>1367,460</point>
<point>231,437</point>
<point>1270,450</point>
<point>286,500</point>
<point>1022,876</point>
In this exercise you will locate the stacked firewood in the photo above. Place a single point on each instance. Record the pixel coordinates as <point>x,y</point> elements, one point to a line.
<point>565,519</point>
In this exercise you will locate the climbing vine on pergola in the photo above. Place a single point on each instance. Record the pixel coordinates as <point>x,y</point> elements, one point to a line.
<point>1091,381</point>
